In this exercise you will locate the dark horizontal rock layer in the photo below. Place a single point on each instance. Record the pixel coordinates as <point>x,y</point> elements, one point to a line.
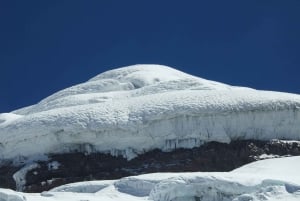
<point>212,156</point>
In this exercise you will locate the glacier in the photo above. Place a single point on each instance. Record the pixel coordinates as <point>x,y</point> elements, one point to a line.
<point>267,180</point>
<point>131,110</point>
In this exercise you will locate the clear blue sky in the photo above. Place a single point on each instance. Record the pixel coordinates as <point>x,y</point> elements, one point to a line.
<point>46,46</point>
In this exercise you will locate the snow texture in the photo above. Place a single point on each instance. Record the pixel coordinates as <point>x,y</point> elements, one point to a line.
<point>267,180</point>
<point>131,110</point>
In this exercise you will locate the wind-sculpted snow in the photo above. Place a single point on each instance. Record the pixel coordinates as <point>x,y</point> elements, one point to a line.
<point>259,181</point>
<point>135,109</point>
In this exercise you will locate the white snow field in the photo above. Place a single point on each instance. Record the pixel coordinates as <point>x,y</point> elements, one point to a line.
<point>131,110</point>
<point>267,180</point>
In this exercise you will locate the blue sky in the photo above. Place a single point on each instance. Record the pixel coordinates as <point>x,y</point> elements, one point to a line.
<point>46,46</point>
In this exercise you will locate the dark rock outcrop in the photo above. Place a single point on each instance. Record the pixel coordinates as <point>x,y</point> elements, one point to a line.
<point>212,156</point>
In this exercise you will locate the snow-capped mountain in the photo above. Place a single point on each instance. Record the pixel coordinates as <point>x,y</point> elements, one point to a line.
<point>134,120</point>
<point>131,110</point>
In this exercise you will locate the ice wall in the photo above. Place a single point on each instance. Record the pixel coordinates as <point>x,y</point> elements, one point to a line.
<point>135,109</point>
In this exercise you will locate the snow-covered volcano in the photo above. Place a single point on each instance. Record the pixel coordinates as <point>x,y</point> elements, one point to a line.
<point>132,110</point>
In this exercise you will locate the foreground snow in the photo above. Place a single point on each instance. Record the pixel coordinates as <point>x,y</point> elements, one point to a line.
<point>135,109</point>
<point>271,179</point>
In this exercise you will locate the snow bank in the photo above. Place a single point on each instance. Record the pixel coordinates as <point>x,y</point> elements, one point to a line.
<point>83,187</point>
<point>131,110</point>
<point>259,181</point>
<point>9,195</point>
<point>274,168</point>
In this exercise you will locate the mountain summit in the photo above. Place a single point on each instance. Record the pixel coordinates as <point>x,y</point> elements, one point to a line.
<point>132,110</point>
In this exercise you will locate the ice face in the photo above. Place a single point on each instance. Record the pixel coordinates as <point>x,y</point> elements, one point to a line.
<point>131,110</point>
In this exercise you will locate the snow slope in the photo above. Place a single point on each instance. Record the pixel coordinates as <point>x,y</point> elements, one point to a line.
<point>131,110</point>
<point>268,180</point>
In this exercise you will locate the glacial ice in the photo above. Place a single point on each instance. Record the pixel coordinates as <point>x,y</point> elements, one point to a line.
<point>132,110</point>
<point>267,180</point>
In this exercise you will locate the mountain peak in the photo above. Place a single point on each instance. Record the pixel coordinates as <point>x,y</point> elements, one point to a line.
<point>131,110</point>
<point>122,83</point>
<point>154,71</point>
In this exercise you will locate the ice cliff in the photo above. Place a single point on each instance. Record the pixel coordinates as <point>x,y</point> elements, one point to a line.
<point>132,110</point>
